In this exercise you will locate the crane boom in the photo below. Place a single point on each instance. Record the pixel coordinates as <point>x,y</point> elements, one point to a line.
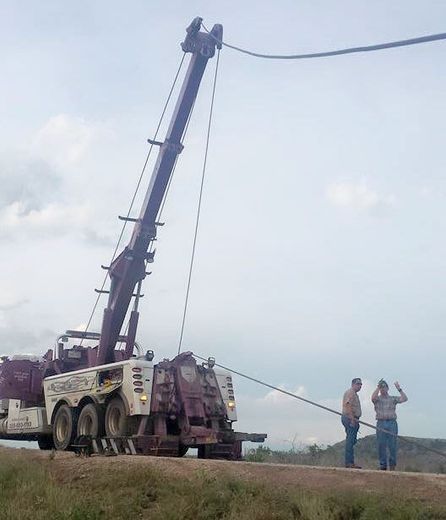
<point>129,268</point>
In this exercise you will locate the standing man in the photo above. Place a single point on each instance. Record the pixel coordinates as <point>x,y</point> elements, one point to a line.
<point>385,406</point>
<point>351,412</point>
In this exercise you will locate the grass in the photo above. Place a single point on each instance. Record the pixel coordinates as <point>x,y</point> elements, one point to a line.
<point>37,489</point>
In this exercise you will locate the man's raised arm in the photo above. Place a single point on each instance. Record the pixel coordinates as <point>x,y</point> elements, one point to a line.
<point>403,397</point>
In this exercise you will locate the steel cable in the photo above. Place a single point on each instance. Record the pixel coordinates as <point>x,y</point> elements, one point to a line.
<point>197,220</point>
<point>350,50</point>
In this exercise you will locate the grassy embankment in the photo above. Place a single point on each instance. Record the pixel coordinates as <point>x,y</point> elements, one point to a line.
<point>41,488</point>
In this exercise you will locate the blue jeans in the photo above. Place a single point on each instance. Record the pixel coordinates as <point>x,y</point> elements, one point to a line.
<point>387,442</point>
<point>351,433</point>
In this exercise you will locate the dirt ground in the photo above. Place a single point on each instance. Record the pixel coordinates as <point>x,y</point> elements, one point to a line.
<point>429,488</point>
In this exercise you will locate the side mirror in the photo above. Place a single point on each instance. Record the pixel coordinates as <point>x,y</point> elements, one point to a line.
<point>149,355</point>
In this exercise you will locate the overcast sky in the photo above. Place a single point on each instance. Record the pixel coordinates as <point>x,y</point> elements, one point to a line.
<point>321,253</point>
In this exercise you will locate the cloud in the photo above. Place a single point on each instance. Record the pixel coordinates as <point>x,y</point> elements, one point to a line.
<point>358,196</point>
<point>14,340</point>
<point>91,237</point>
<point>40,196</point>
<point>9,307</point>
<point>52,220</point>
<point>12,305</point>
<point>65,140</point>
<point>275,397</point>
<point>27,180</point>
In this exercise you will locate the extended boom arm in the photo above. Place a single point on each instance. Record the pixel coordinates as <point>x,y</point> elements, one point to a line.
<point>129,268</point>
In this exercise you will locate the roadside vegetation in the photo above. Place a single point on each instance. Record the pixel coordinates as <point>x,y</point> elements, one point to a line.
<point>410,457</point>
<point>36,488</point>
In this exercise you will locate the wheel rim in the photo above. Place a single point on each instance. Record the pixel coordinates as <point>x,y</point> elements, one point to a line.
<point>114,421</point>
<point>62,428</point>
<point>86,425</point>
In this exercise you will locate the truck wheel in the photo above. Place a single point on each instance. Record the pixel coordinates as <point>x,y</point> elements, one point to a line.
<point>115,418</point>
<point>91,421</point>
<point>64,427</point>
<point>45,442</point>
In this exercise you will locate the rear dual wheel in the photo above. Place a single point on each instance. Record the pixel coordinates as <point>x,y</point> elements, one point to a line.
<point>116,420</point>
<point>91,421</point>
<point>69,423</point>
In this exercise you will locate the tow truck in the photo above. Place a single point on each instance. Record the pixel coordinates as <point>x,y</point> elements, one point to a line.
<point>89,395</point>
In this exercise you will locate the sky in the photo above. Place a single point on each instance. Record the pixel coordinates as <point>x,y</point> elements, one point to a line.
<point>321,252</point>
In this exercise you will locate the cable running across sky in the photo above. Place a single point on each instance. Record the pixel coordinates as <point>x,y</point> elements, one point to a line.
<point>351,50</point>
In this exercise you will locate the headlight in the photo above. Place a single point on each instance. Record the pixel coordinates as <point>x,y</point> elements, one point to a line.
<point>143,398</point>
<point>231,404</point>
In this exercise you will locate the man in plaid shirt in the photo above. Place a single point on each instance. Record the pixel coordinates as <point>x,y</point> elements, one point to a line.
<point>385,408</point>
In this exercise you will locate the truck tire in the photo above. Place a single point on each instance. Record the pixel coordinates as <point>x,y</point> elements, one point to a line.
<point>64,427</point>
<point>115,418</point>
<point>91,421</point>
<point>45,442</point>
